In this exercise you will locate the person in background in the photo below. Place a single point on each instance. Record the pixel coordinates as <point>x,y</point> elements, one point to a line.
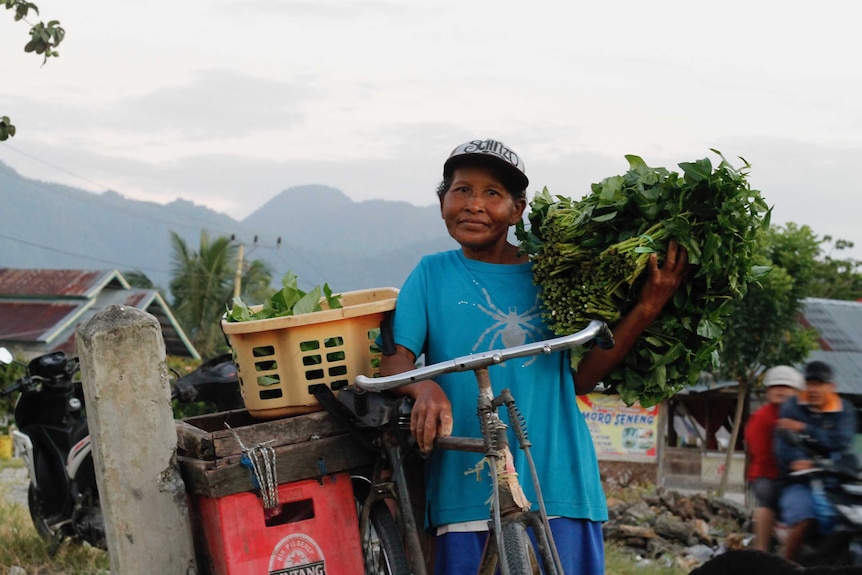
<point>480,297</point>
<point>821,420</point>
<point>781,382</point>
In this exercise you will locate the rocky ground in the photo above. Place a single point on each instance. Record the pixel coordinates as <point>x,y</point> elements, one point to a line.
<point>669,527</point>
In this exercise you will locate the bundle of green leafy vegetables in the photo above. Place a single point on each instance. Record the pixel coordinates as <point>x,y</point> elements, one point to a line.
<point>289,300</point>
<point>589,258</point>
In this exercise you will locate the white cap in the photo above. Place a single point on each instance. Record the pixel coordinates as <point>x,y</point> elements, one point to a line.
<point>493,150</point>
<point>784,375</point>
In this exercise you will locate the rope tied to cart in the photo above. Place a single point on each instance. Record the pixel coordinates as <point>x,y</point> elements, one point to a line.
<point>260,459</point>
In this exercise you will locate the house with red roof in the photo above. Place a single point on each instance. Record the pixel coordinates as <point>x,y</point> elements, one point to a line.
<point>41,309</point>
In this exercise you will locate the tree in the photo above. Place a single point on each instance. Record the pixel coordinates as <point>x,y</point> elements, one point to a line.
<point>763,328</point>
<point>202,286</point>
<point>837,278</point>
<point>44,39</point>
<point>139,279</point>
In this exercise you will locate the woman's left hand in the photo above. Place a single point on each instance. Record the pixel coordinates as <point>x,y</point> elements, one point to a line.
<point>663,281</point>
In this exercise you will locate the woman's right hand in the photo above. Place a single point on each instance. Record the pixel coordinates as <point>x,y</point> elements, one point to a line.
<point>431,416</point>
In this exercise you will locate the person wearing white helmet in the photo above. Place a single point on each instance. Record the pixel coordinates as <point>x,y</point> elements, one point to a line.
<point>762,473</point>
<point>481,297</point>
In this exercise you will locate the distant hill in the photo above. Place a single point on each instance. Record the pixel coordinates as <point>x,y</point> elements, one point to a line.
<point>326,237</point>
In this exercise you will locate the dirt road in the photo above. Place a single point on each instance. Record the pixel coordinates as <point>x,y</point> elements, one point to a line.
<point>13,485</point>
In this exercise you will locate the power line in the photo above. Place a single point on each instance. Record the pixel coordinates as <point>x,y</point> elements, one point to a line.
<point>91,197</point>
<point>122,265</point>
<point>50,165</point>
<point>65,253</point>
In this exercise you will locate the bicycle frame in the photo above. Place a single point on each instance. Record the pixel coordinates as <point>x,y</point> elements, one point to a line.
<point>508,501</point>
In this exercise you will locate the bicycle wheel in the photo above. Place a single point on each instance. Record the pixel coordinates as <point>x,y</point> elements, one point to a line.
<point>520,556</point>
<point>382,548</point>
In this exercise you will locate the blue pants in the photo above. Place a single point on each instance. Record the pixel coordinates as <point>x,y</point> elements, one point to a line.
<point>579,543</point>
<point>797,504</point>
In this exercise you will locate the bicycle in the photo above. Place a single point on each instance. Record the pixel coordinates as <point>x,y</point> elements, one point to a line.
<point>387,418</point>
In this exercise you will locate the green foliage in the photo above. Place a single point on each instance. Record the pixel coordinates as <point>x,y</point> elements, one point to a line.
<point>622,560</point>
<point>8,375</point>
<point>836,277</point>
<point>290,300</point>
<point>589,257</point>
<point>763,328</point>
<point>202,286</point>
<point>138,279</point>
<point>44,39</point>
<point>20,545</point>
<point>7,130</point>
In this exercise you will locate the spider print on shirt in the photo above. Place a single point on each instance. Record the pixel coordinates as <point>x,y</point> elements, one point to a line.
<point>511,328</point>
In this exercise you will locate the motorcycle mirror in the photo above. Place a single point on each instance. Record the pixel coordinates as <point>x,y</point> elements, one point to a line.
<point>6,356</point>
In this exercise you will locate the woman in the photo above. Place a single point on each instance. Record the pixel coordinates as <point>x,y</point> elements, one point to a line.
<point>482,297</point>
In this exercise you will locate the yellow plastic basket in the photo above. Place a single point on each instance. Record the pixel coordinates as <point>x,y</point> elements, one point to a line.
<point>278,359</point>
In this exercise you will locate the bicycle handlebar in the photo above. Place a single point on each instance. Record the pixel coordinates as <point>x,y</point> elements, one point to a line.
<point>596,329</point>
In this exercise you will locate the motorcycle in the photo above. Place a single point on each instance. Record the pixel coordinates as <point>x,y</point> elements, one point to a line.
<point>837,486</point>
<point>53,439</point>
<point>214,382</point>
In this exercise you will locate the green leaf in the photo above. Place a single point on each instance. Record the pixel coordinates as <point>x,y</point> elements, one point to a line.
<point>636,163</point>
<point>332,301</point>
<point>308,303</point>
<point>605,218</point>
<point>698,171</point>
<point>290,300</point>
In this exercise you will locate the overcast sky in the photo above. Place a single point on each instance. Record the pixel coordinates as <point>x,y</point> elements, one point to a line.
<point>227,103</point>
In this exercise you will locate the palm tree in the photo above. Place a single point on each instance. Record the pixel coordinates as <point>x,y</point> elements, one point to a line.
<point>202,287</point>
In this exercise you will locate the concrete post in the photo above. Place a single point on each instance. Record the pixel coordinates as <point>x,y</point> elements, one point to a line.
<point>134,442</point>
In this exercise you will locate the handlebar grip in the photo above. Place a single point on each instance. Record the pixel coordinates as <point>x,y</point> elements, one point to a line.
<point>18,385</point>
<point>605,338</point>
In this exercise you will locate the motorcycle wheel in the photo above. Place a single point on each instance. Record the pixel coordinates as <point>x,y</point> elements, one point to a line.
<point>37,514</point>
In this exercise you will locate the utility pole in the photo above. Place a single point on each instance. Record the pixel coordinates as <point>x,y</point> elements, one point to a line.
<point>240,263</point>
<point>237,280</point>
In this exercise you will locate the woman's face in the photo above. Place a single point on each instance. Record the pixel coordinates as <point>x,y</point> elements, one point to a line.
<point>478,211</point>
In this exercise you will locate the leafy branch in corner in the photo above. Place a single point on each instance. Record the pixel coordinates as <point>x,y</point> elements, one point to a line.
<point>44,39</point>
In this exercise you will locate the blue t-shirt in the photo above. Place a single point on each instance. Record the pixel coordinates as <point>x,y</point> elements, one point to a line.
<point>451,306</point>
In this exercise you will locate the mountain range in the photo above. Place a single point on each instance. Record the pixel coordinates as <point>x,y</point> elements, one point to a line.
<point>325,237</point>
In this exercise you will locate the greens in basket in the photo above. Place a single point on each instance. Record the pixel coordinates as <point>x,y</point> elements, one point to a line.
<point>290,300</point>
<point>589,258</point>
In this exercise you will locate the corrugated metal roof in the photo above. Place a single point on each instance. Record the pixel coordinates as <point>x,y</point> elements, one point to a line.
<point>35,321</point>
<point>839,324</point>
<point>42,312</point>
<point>38,283</point>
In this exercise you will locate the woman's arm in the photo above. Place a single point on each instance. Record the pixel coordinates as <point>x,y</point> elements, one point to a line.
<point>660,286</point>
